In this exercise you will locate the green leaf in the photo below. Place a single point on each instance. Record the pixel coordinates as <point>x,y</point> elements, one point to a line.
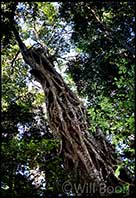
<point>117,171</point>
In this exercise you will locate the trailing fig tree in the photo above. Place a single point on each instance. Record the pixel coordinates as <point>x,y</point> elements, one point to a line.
<point>89,157</point>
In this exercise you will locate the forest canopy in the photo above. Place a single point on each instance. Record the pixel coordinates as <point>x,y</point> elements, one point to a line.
<point>89,52</point>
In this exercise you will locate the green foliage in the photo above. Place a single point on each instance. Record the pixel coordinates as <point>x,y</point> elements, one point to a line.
<point>115,116</point>
<point>49,11</point>
<point>102,33</point>
<point>103,36</point>
<point>103,71</point>
<point>26,140</point>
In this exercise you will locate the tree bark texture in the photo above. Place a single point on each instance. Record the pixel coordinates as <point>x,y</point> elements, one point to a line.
<point>91,157</point>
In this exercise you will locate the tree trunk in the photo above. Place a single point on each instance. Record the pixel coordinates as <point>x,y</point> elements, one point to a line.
<point>91,158</point>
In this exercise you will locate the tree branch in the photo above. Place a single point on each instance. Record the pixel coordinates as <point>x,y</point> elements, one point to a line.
<point>110,34</point>
<point>12,62</point>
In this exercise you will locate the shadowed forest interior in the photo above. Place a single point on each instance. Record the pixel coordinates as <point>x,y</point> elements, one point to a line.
<point>67,99</point>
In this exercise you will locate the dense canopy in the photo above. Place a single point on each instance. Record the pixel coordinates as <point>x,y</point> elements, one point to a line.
<point>67,98</point>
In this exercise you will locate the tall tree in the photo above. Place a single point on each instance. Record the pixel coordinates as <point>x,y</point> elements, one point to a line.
<point>89,156</point>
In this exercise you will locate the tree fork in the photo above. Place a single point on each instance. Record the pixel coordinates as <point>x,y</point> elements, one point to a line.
<point>67,118</point>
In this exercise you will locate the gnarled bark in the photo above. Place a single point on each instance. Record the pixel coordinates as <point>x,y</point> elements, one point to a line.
<point>91,157</point>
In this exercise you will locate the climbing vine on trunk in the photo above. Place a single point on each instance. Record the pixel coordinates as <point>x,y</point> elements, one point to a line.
<point>90,157</point>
